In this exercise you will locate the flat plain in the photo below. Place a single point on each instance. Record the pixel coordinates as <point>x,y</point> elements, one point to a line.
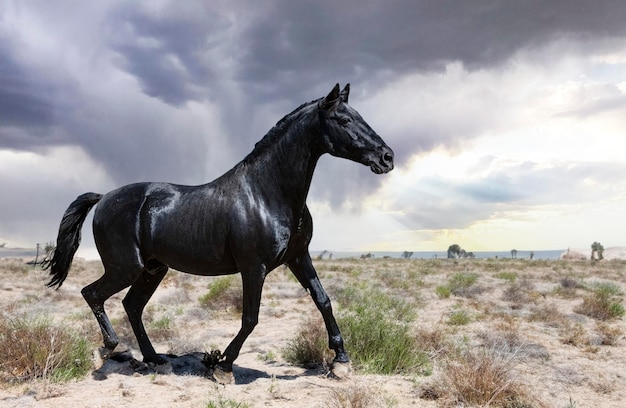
<point>517,333</point>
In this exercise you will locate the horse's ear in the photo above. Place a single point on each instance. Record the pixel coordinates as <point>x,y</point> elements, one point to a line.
<point>331,99</point>
<point>345,93</point>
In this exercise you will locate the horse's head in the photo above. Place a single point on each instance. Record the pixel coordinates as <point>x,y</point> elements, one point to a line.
<point>347,135</point>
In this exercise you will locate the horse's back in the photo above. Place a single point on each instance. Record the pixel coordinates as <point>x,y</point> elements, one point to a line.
<point>184,227</point>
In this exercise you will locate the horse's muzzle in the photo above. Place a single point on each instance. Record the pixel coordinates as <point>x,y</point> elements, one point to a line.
<point>384,163</point>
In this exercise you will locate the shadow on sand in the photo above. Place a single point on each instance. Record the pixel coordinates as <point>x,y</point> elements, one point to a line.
<point>188,364</point>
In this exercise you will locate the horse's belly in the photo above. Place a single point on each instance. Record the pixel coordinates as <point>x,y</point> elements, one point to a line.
<point>198,263</point>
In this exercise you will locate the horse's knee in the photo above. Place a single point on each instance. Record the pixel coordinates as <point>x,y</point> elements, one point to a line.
<point>88,293</point>
<point>248,323</point>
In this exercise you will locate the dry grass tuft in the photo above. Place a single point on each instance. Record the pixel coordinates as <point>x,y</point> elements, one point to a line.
<point>609,335</point>
<point>482,377</point>
<point>353,396</point>
<point>33,347</point>
<point>548,314</point>
<point>310,345</point>
<point>604,302</point>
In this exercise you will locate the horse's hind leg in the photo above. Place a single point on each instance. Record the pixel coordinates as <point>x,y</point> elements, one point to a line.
<point>97,293</point>
<point>134,303</point>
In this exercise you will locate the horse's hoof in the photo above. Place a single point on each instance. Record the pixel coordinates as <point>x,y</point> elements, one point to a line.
<point>341,370</point>
<point>223,377</point>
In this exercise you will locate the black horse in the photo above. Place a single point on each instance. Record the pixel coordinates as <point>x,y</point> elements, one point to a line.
<point>250,220</point>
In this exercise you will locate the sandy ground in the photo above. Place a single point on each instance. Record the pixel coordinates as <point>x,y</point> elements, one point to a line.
<point>557,373</point>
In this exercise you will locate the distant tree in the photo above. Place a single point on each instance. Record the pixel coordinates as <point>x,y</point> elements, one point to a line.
<point>597,251</point>
<point>471,255</point>
<point>532,255</point>
<point>514,253</point>
<point>321,255</point>
<point>367,255</point>
<point>48,248</point>
<point>454,251</point>
<point>407,254</point>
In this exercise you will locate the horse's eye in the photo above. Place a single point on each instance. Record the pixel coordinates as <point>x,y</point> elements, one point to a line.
<point>343,121</point>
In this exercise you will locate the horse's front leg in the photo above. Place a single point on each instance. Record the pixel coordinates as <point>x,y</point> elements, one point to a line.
<point>252,288</point>
<point>302,268</point>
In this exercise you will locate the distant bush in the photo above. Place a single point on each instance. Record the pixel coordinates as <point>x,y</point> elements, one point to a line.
<point>508,276</point>
<point>224,293</point>
<point>459,318</point>
<point>33,347</point>
<point>604,303</point>
<point>460,284</point>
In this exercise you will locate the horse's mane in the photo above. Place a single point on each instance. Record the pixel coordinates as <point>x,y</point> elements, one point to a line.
<point>278,131</point>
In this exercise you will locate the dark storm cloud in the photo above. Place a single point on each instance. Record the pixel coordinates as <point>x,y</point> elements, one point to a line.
<point>26,101</point>
<point>255,62</point>
<point>175,55</point>
<point>286,49</point>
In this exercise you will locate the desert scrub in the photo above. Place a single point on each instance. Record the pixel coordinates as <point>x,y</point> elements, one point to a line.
<point>224,293</point>
<point>443,291</point>
<point>354,396</point>
<point>459,318</point>
<point>507,276</point>
<point>310,345</point>
<point>161,328</point>
<point>222,402</point>
<point>461,284</point>
<point>479,377</point>
<point>567,287</point>
<point>608,335</point>
<point>604,302</point>
<point>33,347</point>
<point>377,332</point>
<point>519,293</point>
<point>549,314</point>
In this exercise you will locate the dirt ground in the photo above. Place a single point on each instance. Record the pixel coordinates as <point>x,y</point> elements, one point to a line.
<point>562,362</point>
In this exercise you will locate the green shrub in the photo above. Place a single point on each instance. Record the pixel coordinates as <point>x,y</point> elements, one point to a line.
<point>161,329</point>
<point>604,303</point>
<point>33,347</point>
<point>377,332</point>
<point>459,318</point>
<point>224,293</point>
<point>508,276</point>
<point>460,284</point>
<point>443,292</point>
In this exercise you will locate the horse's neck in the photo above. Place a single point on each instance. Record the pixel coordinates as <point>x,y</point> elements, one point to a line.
<point>286,168</point>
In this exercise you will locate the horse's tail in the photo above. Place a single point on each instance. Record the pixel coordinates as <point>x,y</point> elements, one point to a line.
<point>68,239</point>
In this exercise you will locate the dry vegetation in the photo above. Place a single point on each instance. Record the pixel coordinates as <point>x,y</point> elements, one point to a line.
<point>424,333</point>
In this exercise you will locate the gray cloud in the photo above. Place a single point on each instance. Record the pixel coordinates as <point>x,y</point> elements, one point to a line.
<point>182,91</point>
<point>439,203</point>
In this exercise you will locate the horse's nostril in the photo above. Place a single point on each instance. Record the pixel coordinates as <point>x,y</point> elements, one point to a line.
<point>387,157</point>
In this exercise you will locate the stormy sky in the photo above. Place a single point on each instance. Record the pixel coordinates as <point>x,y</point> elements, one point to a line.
<point>507,117</point>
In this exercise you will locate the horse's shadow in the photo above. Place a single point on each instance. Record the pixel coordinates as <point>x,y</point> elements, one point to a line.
<point>192,364</point>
